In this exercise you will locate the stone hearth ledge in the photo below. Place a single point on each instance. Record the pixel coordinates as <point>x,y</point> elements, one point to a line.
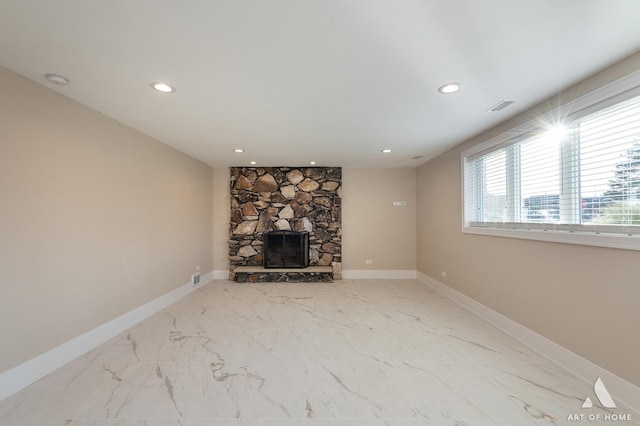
<point>262,269</point>
<point>330,273</point>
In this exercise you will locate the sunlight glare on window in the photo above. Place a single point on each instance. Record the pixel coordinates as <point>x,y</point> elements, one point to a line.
<point>556,133</point>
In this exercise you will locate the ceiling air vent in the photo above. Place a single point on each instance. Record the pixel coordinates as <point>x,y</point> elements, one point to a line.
<point>500,106</point>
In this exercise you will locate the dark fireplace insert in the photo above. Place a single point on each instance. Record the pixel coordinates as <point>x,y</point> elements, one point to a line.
<point>286,249</point>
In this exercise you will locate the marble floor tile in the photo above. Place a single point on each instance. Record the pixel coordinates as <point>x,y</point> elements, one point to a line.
<point>239,390</point>
<point>367,390</point>
<point>446,347</point>
<point>347,353</point>
<point>362,422</point>
<point>349,345</point>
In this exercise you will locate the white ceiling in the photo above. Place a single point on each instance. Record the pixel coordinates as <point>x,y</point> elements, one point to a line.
<point>333,81</point>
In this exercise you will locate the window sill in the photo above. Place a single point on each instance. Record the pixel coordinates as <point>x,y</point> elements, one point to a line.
<point>625,242</point>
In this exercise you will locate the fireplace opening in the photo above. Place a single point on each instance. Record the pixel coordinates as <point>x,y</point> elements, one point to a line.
<point>286,249</point>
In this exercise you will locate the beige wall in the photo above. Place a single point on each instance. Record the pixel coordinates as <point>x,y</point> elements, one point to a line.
<point>583,298</point>
<point>372,227</point>
<point>221,218</point>
<point>96,219</point>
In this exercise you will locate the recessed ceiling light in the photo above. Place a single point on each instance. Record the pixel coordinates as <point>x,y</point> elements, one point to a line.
<point>386,151</point>
<point>253,162</point>
<point>163,87</point>
<point>450,88</point>
<point>238,150</point>
<point>312,162</point>
<point>60,80</point>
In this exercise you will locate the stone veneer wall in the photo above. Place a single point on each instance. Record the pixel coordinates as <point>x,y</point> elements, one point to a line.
<point>285,198</point>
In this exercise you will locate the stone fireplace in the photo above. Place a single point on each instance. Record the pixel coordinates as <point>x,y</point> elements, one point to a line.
<point>305,200</point>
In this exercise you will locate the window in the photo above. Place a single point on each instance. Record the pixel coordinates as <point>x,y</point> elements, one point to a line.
<point>573,180</point>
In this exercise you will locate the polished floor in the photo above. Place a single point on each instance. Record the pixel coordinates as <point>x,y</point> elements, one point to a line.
<point>348,353</point>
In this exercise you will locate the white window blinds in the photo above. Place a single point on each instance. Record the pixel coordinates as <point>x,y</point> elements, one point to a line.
<point>582,175</point>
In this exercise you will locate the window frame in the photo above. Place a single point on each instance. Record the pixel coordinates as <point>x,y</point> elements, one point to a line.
<point>618,236</point>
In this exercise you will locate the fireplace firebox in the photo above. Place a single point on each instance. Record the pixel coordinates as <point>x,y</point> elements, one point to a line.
<point>286,249</point>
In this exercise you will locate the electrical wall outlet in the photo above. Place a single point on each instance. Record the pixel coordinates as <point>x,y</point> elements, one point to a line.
<point>368,262</point>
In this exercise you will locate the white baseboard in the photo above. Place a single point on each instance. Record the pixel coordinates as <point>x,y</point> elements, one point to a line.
<point>222,274</point>
<point>626,393</point>
<point>209,276</point>
<point>16,379</point>
<point>379,274</point>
